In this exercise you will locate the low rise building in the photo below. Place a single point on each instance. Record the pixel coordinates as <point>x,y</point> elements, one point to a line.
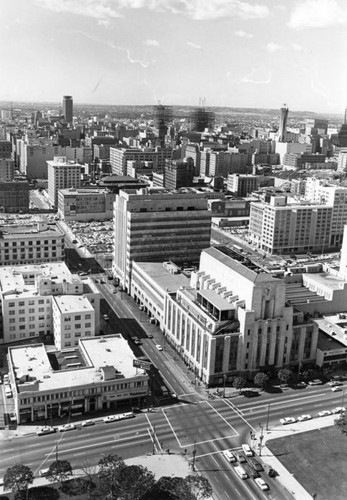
<point>85,204</point>
<point>99,374</point>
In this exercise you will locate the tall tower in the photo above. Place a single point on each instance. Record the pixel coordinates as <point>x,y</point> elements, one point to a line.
<point>163,116</point>
<point>283,123</point>
<point>67,108</point>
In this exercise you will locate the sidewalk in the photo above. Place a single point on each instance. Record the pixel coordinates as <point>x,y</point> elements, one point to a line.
<point>285,477</point>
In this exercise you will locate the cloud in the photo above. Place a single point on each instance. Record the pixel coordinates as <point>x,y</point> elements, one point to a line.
<point>297,47</point>
<point>194,45</point>
<point>243,34</point>
<point>318,14</point>
<point>273,47</point>
<point>249,78</point>
<point>199,10</point>
<point>152,43</point>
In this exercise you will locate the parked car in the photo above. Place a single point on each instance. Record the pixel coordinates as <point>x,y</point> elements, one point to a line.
<point>44,472</point>
<point>302,418</point>
<point>335,383</point>
<point>159,347</point>
<point>87,423</point>
<point>287,420</point>
<point>339,409</point>
<point>261,483</point>
<point>316,381</point>
<point>255,464</point>
<point>67,427</point>
<point>47,429</point>
<point>324,413</point>
<point>111,418</point>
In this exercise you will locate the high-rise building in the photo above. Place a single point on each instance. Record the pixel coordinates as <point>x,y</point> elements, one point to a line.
<point>242,185</point>
<point>68,108</point>
<point>178,173</point>
<point>158,225</point>
<point>283,123</point>
<point>62,175</point>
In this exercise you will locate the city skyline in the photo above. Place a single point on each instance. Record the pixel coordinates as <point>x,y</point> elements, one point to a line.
<point>232,53</point>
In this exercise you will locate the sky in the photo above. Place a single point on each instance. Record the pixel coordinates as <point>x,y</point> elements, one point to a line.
<point>235,53</point>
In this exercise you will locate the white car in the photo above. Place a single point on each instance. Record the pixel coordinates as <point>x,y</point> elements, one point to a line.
<point>87,423</point>
<point>302,418</point>
<point>229,455</point>
<point>324,413</point>
<point>261,483</point>
<point>339,409</point>
<point>13,417</point>
<point>247,450</point>
<point>334,383</point>
<point>159,347</point>
<point>111,418</point>
<point>67,427</point>
<point>316,381</point>
<point>287,420</point>
<point>40,431</point>
<point>336,388</point>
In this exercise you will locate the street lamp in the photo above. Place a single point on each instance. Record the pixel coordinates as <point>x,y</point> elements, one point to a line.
<point>261,437</point>
<point>224,380</point>
<point>194,454</point>
<point>267,417</point>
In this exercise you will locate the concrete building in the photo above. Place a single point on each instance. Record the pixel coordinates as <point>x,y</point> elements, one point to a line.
<point>283,148</point>
<point>29,240</point>
<point>178,173</point>
<point>5,148</point>
<point>81,154</point>
<point>62,175</point>
<point>68,108</point>
<point>7,169</point>
<point>14,196</point>
<point>33,156</point>
<point>99,374</point>
<point>27,294</point>
<point>85,204</point>
<point>278,227</point>
<point>233,318</point>
<point>342,161</point>
<point>120,156</point>
<point>158,225</point>
<point>242,185</point>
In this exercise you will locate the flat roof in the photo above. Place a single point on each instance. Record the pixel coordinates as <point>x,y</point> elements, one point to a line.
<point>98,352</point>
<point>164,279</point>
<point>73,303</point>
<point>216,299</point>
<point>334,328</point>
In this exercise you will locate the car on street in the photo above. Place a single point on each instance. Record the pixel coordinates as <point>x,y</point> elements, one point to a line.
<point>324,413</point>
<point>247,450</point>
<point>111,418</point>
<point>287,420</point>
<point>67,427</point>
<point>149,335</point>
<point>339,409</point>
<point>335,383</point>
<point>106,317</point>
<point>335,389</point>
<point>103,282</point>
<point>13,417</point>
<point>302,418</point>
<point>240,457</point>
<point>159,347</point>
<point>229,455</point>
<point>136,341</point>
<point>261,483</point>
<point>87,423</point>
<point>46,429</point>
<point>316,381</point>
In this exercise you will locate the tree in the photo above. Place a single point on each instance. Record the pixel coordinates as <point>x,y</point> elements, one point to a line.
<point>17,478</point>
<point>239,383</point>
<point>59,471</point>
<point>261,379</point>
<point>199,487</point>
<point>341,423</point>
<point>109,474</point>
<point>285,375</point>
<point>135,481</point>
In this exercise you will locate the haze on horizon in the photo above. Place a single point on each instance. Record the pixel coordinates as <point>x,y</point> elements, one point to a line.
<point>234,53</point>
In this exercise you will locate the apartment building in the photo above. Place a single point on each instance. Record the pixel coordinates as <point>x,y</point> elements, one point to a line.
<point>29,240</point>
<point>242,185</point>
<point>120,156</point>
<point>157,225</point>
<point>27,294</point>
<point>233,318</point>
<point>62,175</point>
<point>99,374</point>
<point>85,204</point>
<point>279,227</point>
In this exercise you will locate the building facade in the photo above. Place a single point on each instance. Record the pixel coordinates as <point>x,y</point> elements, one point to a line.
<point>62,175</point>
<point>85,204</point>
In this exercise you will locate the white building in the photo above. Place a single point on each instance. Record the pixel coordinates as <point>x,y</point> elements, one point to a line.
<point>27,294</point>
<point>97,375</point>
<point>85,204</point>
<point>62,174</point>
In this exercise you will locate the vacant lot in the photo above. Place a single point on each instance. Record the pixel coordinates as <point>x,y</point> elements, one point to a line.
<point>317,459</point>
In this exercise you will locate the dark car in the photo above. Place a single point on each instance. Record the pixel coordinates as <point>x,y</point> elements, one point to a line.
<point>251,472</point>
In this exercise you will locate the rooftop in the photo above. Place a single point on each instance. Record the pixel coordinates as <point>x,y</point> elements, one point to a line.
<point>73,303</point>
<point>162,277</point>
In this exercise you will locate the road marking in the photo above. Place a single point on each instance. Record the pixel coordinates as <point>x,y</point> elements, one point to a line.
<point>221,417</point>
<point>237,411</point>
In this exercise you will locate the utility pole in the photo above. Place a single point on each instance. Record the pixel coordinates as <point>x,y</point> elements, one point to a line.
<point>267,417</point>
<point>224,380</point>
<point>56,453</point>
<point>194,453</point>
<point>261,437</point>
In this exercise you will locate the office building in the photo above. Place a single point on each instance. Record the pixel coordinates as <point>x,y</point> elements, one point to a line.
<point>27,296</point>
<point>29,240</point>
<point>5,149</point>
<point>68,108</point>
<point>97,375</point>
<point>157,225</point>
<point>178,173</point>
<point>242,185</point>
<point>14,196</point>
<point>62,175</point>
<point>283,123</point>
<point>7,169</point>
<point>279,227</point>
<point>233,319</point>
<point>85,204</point>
